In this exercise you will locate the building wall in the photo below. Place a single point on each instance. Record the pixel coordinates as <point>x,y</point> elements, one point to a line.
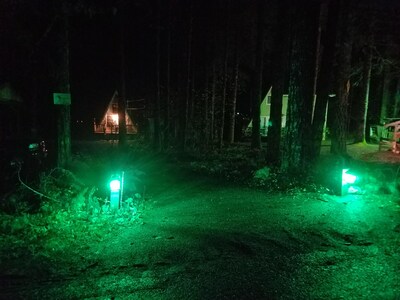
<point>265,112</point>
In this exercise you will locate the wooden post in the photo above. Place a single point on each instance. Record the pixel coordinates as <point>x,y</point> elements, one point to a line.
<point>64,136</point>
<point>63,99</point>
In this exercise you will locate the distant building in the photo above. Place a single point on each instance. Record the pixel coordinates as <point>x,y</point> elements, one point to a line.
<point>110,123</point>
<point>265,112</point>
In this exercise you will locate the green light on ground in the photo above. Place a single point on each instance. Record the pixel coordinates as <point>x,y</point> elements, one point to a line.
<point>348,178</point>
<point>115,185</point>
<point>33,146</point>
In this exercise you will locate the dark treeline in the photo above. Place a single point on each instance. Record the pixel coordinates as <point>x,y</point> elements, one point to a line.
<point>203,67</point>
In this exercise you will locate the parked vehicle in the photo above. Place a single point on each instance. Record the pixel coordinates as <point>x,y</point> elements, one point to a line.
<point>390,137</point>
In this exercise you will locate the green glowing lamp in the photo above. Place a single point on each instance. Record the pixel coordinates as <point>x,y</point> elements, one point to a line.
<point>348,180</point>
<point>115,185</point>
<point>115,192</point>
<point>33,146</point>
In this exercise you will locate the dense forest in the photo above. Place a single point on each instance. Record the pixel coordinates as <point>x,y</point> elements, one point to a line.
<point>243,159</point>
<point>203,68</point>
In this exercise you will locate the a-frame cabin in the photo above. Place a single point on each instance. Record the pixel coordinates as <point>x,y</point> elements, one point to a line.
<point>110,124</point>
<point>265,112</point>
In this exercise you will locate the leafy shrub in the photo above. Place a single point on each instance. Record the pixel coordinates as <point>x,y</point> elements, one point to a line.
<point>234,164</point>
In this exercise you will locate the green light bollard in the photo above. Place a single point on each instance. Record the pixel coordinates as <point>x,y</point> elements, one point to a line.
<point>348,180</point>
<point>116,191</point>
<point>115,194</point>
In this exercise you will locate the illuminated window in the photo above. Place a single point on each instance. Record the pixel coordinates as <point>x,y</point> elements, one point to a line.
<point>115,118</point>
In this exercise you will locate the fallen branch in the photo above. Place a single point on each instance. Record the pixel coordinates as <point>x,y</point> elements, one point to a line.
<point>31,189</point>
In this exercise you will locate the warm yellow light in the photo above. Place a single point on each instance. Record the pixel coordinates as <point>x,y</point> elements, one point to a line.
<point>115,118</point>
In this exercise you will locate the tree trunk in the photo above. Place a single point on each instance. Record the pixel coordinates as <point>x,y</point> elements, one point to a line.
<point>34,111</point>
<point>213,96</point>
<point>279,69</point>
<point>192,121</point>
<point>301,87</point>
<point>224,80</point>
<point>343,71</point>
<point>233,99</point>
<point>396,112</point>
<point>361,114</point>
<point>64,117</point>
<point>122,94</point>
<point>366,86</point>
<point>325,79</point>
<point>385,106</point>
<point>188,83</point>
<point>157,106</point>
<point>257,98</point>
<point>167,129</point>
<point>206,123</point>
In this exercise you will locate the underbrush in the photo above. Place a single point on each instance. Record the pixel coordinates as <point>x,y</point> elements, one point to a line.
<point>371,178</point>
<point>66,210</point>
<point>239,165</point>
<point>234,164</point>
<point>61,213</point>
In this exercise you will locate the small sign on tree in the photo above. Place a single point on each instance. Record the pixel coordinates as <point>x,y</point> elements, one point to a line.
<point>62,98</point>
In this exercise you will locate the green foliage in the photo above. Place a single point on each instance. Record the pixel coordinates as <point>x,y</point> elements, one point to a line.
<point>74,210</point>
<point>234,164</point>
<point>238,164</point>
<point>18,202</point>
<point>283,181</point>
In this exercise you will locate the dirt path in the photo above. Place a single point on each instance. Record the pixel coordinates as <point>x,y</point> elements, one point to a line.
<point>227,243</point>
<point>201,241</point>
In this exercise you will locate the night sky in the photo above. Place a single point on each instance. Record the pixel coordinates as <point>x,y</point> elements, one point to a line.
<point>30,30</point>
